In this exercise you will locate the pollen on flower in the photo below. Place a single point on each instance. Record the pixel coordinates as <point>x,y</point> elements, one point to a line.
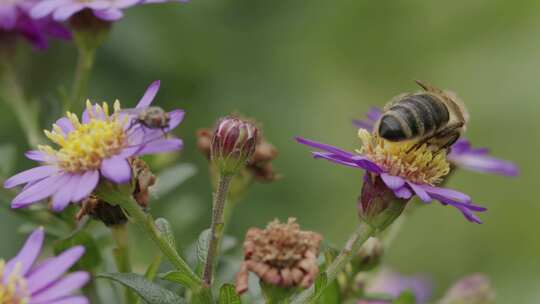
<point>13,290</point>
<point>419,165</point>
<point>88,144</point>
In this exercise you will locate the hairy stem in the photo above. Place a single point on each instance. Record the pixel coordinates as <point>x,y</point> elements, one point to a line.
<point>216,228</point>
<point>121,256</point>
<point>146,223</point>
<point>359,237</point>
<point>85,63</point>
<point>13,95</point>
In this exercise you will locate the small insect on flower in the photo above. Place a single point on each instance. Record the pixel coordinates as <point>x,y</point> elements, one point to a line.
<point>433,116</point>
<point>23,282</point>
<point>98,146</point>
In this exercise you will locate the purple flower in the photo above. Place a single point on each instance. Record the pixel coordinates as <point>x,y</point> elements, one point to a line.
<point>15,20</point>
<point>462,155</point>
<point>97,147</point>
<point>393,284</point>
<point>473,289</point>
<point>45,283</point>
<point>405,171</point>
<point>108,10</point>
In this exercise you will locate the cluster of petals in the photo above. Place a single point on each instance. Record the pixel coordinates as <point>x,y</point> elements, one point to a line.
<point>108,10</point>
<point>15,19</point>
<point>21,281</point>
<point>51,179</point>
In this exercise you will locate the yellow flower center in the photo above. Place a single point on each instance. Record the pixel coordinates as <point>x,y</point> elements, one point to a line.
<point>15,290</point>
<point>419,165</point>
<point>85,147</point>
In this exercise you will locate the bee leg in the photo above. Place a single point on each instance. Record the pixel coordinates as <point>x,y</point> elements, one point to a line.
<point>443,139</point>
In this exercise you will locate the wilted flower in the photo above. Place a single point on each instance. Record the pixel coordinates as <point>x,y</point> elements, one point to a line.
<point>393,284</point>
<point>474,289</point>
<point>462,154</point>
<point>109,10</point>
<point>16,21</point>
<point>233,143</point>
<point>22,282</point>
<point>99,146</point>
<point>259,164</point>
<point>281,255</point>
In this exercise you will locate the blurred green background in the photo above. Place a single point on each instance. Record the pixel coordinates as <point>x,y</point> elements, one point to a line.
<point>309,67</point>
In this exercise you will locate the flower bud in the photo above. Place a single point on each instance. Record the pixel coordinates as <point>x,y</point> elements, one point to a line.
<point>378,206</point>
<point>102,211</point>
<point>233,143</point>
<point>474,289</point>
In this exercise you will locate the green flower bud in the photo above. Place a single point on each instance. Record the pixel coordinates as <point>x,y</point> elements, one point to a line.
<point>378,206</point>
<point>233,143</point>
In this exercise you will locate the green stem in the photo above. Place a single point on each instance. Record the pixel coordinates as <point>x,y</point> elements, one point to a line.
<point>121,256</point>
<point>90,290</point>
<point>145,222</point>
<point>216,228</point>
<point>360,235</point>
<point>13,95</point>
<point>85,63</point>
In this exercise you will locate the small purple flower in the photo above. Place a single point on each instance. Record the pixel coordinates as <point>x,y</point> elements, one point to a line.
<point>97,147</point>
<point>15,20</point>
<point>108,10</point>
<point>45,283</point>
<point>462,154</point>
<point>473,289</point>
<point>405,171</point>
<point>393,284</point>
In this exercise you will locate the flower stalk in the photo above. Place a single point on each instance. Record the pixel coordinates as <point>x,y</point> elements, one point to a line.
<point>145,223</point>
<point>359,237</point>
<point>217,226</point>
<point>121,256</point>
<point>85,62</point>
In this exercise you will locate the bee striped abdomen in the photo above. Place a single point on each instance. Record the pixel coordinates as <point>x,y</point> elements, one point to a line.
<point>413,116</point>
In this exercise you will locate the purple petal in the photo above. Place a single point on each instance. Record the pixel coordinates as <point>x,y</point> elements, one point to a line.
<point>362,124</point>
<point>483,163</point>
<point>27,255</point>
<point>116,169</point>
<point>63,13</point>
<point>422,194</point>
<point>37,155</point>
<point>46,7</point>
<point>8,16</point>
<point>87,184</point>
<point>335,158</point>
<point>322,146</point>
<point>176,118</point>
<point>30,175</point>
<point>40,190</point>
<point>149,95</point>
<point>393,182</point>
<point>62,197</point>
<point>403,193</point>
<point>161,146</point>
<point>55,268</point>
<point>65,125</point>
<point>61,288</point>
<point>447,193</point>
<point>112,14</point>
<point>69,300</point>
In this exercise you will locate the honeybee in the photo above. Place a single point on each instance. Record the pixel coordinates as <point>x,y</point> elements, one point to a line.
<point>150,117</point>
<point>431,116</point>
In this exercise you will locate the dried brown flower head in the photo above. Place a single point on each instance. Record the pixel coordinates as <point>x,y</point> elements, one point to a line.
<point>259,165</point>
<point>281,254</point>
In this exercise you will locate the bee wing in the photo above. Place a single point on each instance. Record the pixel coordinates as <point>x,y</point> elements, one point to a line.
<point>132,111</point>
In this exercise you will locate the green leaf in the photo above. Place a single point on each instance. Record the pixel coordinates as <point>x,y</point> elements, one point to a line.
<point>320,284</point>
<point>173,177</point>
<point>150,292</point>
<point>92,255</point>
<point>331,295</point>
<point>227,295</point>
<point>166,230</point>
<point>8,154</point>
<point>179,278</point>
<point>406,297</point>
<point>202,248</point>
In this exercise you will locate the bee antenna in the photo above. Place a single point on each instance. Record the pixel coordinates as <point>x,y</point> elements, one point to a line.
<point>427,86</point>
